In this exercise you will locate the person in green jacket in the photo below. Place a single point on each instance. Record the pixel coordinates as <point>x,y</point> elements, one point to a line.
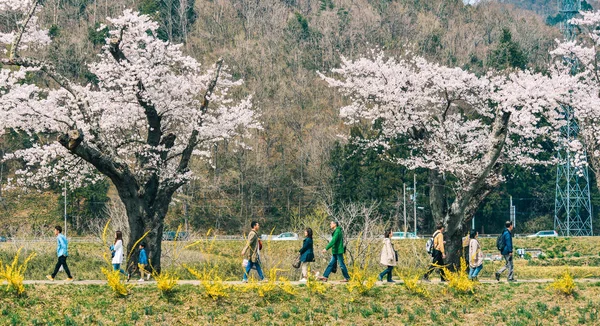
<point>337,251</point>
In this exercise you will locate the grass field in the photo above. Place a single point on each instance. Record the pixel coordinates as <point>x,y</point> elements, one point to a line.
<point>491,304</point>
<point>281,303</point>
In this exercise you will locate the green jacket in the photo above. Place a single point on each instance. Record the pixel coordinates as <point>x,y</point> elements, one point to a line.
<point>337,242</point>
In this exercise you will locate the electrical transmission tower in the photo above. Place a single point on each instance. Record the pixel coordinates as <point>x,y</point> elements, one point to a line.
<point>572,205</point>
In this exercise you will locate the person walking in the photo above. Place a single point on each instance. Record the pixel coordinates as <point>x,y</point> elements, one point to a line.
<point>475,255</point>
<point>438,254</point>
<point>117,259</point>
<point>62,253</point>
<point>251,252</point>
<point>507,252</point>
<point>388,257</point>
<point>337,251</point>
<point>307,254</point>
<point>143,262</point>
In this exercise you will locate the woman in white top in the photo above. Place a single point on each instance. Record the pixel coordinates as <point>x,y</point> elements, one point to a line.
<point>475,256</point>
<point>388,257</point>
<point>117,259</point>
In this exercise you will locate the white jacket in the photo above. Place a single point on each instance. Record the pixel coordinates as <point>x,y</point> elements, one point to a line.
<point>118,258</point>
<point>388,256</point>
<point>475,254</point>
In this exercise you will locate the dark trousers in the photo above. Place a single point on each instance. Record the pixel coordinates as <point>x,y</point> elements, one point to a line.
<point>337,258</point>
<point>435,265</point>
<point>62,260</point>
<point>387,271</point>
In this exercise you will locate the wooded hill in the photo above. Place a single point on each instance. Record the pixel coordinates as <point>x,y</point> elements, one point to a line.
<point>301,159</point>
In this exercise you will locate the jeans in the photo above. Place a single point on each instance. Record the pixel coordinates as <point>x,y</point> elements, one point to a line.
<point>473,272</point>
<point>117,267</point>
<point>438,260</point>
<point>387,271</point>
<point>509,266</point>
<point>258,270</point>
<point>62,260</point>
<point>337,258</point>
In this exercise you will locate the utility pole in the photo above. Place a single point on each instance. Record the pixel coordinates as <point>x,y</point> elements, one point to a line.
<point>404,196</point>
<point>513,215</point>
<point>65,197</point>
<point>415,200</point>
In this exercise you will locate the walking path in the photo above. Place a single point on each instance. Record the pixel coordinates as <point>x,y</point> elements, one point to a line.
<point>335,282</point>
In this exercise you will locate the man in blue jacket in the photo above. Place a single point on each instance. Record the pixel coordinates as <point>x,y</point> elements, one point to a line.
<point>507,252</point>
<point>62,253</point>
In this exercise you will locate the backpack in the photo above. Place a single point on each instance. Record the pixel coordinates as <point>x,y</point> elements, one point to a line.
<point>429,244</point>
<point>500,241</point>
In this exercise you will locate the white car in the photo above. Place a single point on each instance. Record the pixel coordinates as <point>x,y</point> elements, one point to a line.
<point>285,236</point>
<point>548,233</point>
<point>403,235</point>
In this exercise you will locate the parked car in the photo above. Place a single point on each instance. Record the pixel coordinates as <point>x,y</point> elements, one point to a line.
<point>2,239</point>
<point>403,235</point>
<point>285,236</point>
<point>173,235</point>
<point>547,233</point>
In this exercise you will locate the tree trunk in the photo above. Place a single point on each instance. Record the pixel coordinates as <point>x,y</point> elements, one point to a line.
<point>145,213</point>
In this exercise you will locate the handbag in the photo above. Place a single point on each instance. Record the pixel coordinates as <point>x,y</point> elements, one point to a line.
<point>396,254</point>
<point>245,263</point>
<point>297,262</point>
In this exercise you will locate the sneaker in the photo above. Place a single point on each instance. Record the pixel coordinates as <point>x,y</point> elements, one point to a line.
<point>70,279</point>
<point>50,277</point>
<point>391,281</point>
<point>512,280</point>
<point>244,281</point>
<point>303,280</point>
<point>379,279</point>
<point>345,280</point>
<point>497,277</point>
<point>141,280</point>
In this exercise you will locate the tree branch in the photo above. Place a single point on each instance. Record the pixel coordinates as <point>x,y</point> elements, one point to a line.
<point>14,47</point>
<point>193,140</point>
<point>152,116</point>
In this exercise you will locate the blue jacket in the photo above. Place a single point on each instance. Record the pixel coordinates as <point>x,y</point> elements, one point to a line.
<point>62,244</point>
<point>306,253</point>
<point>508,247</point>
<point>143,259</point>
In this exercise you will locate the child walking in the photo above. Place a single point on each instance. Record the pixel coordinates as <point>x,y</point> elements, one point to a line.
<point>142,262</point>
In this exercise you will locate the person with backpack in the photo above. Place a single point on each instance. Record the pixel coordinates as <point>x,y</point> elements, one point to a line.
<point>251,252</point>
<point>388,257</point>
<point>475,256</point>
<point>337,251</point>
<point>62,253</point>
<point>438,253</point>
<point>307,254</point>
<point>504,244</point>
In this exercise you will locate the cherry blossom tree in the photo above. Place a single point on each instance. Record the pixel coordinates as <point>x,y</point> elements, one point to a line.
<point>579,60</point>
<point>152,110</point>
<point>461,127</point>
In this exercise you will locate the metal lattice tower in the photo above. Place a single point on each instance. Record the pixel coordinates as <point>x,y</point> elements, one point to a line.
<point>572,205</point>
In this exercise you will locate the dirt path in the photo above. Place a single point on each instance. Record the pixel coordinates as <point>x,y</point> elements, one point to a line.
<point>195,282</point>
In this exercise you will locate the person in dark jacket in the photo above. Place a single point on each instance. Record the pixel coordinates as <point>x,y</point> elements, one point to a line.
<point>307,255</point>
<point>507,252</point>
<point>337,250</point>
